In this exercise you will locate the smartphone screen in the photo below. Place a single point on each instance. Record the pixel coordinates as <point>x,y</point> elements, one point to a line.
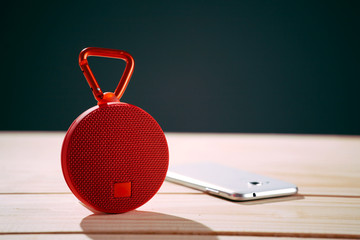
<point>228,182</point>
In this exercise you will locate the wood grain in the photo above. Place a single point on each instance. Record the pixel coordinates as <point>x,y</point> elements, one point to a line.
<point>319,165</point>
<point>36,203</point>
<point>325,165</point>
<point>188,214</point>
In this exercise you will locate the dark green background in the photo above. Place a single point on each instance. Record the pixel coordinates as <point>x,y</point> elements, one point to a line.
<point>214,66</point>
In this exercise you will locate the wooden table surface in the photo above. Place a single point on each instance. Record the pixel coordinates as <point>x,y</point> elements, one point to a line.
<point>35,202</point>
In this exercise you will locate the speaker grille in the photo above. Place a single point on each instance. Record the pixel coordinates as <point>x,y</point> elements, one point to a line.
<point>115,143</point>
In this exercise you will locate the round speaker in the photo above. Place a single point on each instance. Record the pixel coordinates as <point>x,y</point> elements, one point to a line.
<point>115,155</point>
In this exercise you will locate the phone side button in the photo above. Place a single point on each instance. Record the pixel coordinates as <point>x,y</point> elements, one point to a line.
<point>212,191</point>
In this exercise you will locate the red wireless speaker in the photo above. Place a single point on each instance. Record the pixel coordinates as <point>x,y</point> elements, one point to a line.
<point>114,156</point>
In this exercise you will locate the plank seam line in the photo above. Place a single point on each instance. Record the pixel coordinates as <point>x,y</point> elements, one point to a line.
<point>327,195</point>
<point>54,193</point>
<point>218,233</point>
<point>178,193</point>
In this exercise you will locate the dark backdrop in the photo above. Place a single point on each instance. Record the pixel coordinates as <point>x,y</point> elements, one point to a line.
<point>214,66</point>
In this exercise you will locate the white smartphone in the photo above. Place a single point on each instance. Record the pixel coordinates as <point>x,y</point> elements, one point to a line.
<point>228,182</point>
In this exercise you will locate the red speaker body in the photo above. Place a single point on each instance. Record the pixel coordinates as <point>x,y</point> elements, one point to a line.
<point>114,155</point>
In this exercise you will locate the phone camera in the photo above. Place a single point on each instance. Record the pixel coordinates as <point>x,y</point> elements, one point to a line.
<point>255,183</point>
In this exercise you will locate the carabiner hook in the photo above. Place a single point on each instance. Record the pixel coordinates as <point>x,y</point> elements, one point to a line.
<point>110,53</point>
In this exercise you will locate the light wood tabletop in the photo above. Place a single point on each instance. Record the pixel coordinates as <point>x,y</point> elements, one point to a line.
<point>35,202</point>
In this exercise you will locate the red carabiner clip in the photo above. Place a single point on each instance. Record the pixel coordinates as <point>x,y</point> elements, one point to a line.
<point>95,88</point>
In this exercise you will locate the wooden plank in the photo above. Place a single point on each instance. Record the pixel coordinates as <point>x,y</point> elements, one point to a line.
<point>325,165</point>
<point>319,165</point>
<point>186,214</point>
<point>30,163</point>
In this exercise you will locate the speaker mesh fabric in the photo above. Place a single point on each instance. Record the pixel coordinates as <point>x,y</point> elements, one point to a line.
<point>115,143</point>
